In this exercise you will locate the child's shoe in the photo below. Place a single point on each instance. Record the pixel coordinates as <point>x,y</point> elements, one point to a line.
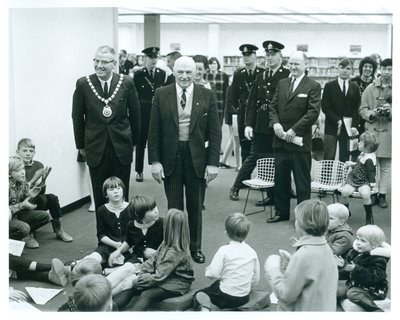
<point>203,301</point>
<point>58,273</point>
<point>30,242</point>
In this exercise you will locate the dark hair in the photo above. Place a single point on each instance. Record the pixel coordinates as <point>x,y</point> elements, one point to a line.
<point>174,55</point>
<point>112,182</point>
<point>237,226</point>
<point>139,205</point>
<point>386,63</point>
<point>201,59</point>
<point>212,59</point>
<point>369,60</point>
<point>123,51</point>
<point>345,62</point>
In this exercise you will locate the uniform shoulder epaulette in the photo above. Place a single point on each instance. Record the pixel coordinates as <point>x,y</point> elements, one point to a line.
<point>243,70</point>
<point>285,67</point>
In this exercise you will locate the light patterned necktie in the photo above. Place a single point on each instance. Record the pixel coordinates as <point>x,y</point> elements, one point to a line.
<point>183,99</point>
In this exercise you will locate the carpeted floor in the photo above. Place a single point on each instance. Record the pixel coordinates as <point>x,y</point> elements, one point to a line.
<point>265,238</point>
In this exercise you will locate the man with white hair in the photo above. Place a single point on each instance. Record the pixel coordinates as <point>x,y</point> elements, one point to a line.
<point>293,110</point>
<point>184,118</point>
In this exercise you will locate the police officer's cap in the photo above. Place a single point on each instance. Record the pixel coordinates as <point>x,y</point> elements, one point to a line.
<point>248,49</point>
<point>274,46</point>
<point>151,52</point>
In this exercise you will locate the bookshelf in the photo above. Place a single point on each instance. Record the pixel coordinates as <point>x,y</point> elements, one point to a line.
<point>320,69</point>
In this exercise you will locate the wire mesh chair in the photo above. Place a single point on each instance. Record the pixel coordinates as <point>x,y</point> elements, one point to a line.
<point>329,177</point>
<point>265,178</point>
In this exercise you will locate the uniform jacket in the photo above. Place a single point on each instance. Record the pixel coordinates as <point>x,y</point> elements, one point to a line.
<point>298,110</point>
<point>124,69</point>
<point>92,129</point>
<point>374,95</point>
<point>145,86</point>
<point>241,86</point>
<point>204,126</point>
<point>369,273</point>
<point>261,94</point>
<point>340,240</point>
<point>336,105</point>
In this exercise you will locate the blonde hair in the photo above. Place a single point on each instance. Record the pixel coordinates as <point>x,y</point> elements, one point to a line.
<point>371,142</point>
<point>312,217</point>
<point>339,210</point>
<point>83,268</point>
<point>92,293</point>
<point>15,163</point>
<point>237,226</point>
<point>373,234</point>
<point>26,142</point>
<point>176,230</point>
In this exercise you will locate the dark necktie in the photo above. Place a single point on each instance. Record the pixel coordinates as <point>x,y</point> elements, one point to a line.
<point>250,73</point>
<point>105,89</point>
<point>344,87</point>
<point>151,74</point>
<point>183,99</point>
<point>292,86</point>
<point>270,74</point>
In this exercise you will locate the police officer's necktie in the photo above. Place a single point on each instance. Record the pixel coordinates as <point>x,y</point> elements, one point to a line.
<point>151,74</point>
<point>183,99</point>
<point>270,74</point>
<point>105,89</point>
<point>250,73</point>
<point>344,87</point>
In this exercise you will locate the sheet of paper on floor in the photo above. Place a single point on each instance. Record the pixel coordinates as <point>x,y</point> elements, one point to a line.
<point>15,247</point>
<point>42,295</point>
<point>22,306</point>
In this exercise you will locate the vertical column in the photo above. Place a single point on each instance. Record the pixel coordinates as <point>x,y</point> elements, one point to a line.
<point>213,41</point>
<point>151,30</point>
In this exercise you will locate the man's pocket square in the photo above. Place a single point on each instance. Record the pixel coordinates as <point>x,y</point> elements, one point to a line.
<point>302,95</point>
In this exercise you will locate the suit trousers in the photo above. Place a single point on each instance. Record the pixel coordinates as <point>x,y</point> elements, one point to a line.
<point>330,147</point>
<point>286,162</point>
<point>245,145</point>
<point>109,166</point>
<point>144,133</point>
<point>261,147</point>
<point>184,178</point>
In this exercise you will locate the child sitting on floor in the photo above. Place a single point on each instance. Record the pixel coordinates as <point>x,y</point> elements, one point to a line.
<point>111,221</point>
<point>364,268</point>
<point>308,281</point>
<point>235,266</point>
<point>34,170</point>
<point>339,235</point>
<point>362,177</point>
<point>93,293</point>
<point>169,272</point>
<point>25,219</point>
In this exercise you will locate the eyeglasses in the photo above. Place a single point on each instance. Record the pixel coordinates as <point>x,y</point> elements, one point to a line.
<point>96,61</point>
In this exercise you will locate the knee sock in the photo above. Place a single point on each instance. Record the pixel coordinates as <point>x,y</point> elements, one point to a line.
<point>369,219</point>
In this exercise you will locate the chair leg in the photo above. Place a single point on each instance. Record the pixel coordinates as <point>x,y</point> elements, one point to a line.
<point>250,213</point>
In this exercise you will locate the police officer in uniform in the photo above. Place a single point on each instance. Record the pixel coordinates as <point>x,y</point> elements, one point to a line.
<point>242,81</point>
<point>147,80</point>
<point>257,128</point>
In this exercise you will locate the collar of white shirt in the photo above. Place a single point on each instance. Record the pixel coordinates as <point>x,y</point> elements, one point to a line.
<point>189,90</point>
<point>108,82</point>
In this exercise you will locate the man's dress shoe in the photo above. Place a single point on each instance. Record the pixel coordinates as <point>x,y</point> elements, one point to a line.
<point>265,202</point>
<point>198,257</point>
<point>276,219</point>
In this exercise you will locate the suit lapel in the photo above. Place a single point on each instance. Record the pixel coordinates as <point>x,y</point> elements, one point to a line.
<point>195,107</point>
<point>97,85</point>
<point>173,104</point>
<point>114,82</point>
<point>298,88</point>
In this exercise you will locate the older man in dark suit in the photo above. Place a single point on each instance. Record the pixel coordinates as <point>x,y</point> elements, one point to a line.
<point>293,110</point>
<point>184,118</point>
<point>106,121</point>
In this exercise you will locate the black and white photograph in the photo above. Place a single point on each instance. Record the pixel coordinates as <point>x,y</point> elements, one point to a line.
<point>230,158</point>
